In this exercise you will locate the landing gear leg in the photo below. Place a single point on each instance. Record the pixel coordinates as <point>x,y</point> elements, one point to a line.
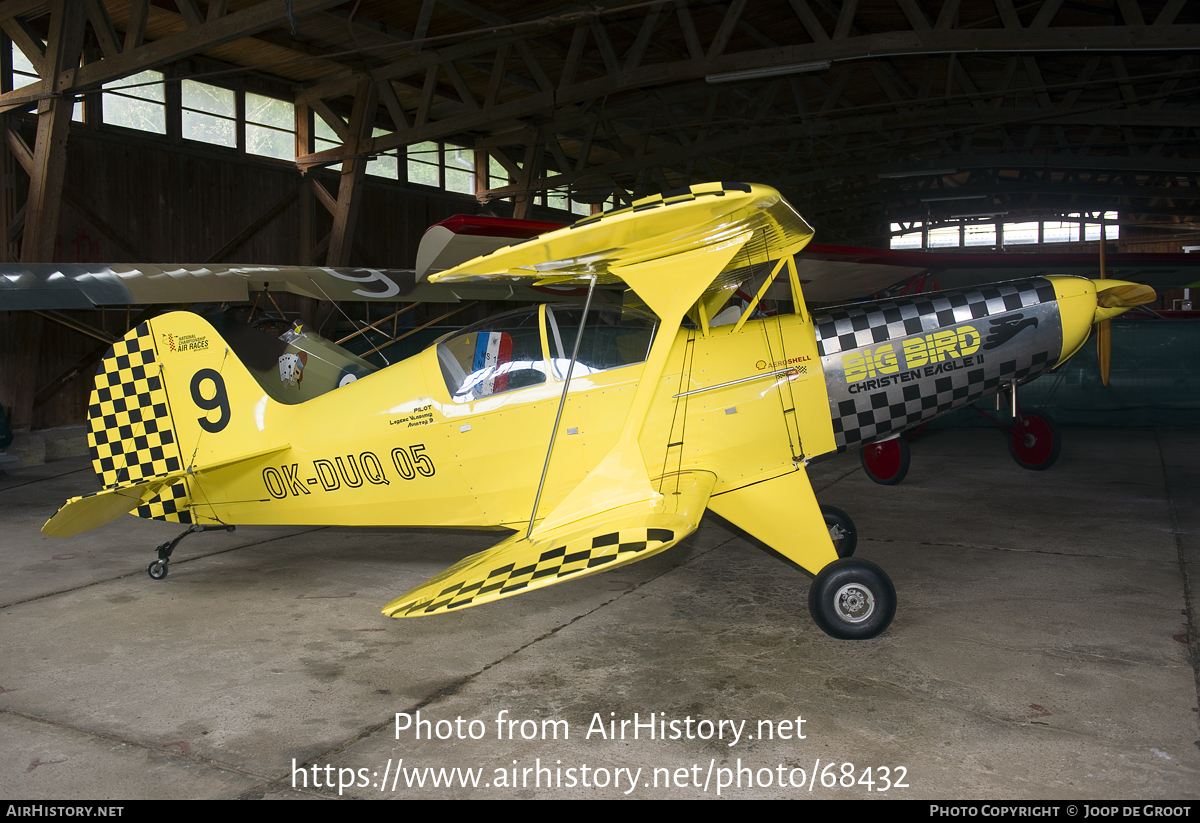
<point>842,530</point>
<point>158,569</point>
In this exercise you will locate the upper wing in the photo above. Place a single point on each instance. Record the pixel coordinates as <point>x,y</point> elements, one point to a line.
<point>836,273</point>
<point>83,286</point>
<point>594,544</point>
<point>677,224</point>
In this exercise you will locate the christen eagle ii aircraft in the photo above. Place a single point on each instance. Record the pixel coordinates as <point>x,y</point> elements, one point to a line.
<point>600,434</point>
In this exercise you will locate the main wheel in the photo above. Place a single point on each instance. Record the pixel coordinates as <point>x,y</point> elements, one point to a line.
<point>157,570</point>
<point>852,600</point>
<point>842,531</point>
<point>886,462</point>
<point>1036,442</point>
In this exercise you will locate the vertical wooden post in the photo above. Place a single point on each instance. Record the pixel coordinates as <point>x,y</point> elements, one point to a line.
<point>54,123</point>
<point>354,169</point>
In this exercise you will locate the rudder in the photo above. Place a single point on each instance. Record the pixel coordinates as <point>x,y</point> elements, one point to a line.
<point>131,436</point>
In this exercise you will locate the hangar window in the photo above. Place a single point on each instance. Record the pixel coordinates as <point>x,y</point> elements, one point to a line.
<point>209,113</point>
<point>386,164</point>
<point>441,166</point>
<point>460,169</point>
<point>325,138</point>
<point>497,174</point>
<point>424,162</point>
<point>270,127</point>
<point>1069,228</point>
<point>23,73</point>
<point>136,102</point>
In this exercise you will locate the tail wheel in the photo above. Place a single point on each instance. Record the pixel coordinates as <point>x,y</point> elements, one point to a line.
<point>886,462</point>
<point>852,600</point>
<point>842,530</point>
<point>1035,442</point>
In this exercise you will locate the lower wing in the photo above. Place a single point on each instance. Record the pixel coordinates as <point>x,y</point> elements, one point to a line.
<point>592,544</point>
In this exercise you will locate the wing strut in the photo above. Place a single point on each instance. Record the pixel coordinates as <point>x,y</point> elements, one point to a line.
<point>561,402</point>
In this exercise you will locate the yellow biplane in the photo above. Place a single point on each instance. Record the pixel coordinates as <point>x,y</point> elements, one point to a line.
<point>599,433</point>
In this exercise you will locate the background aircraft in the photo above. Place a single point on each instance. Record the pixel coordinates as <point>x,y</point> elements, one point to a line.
<point>602,433</point>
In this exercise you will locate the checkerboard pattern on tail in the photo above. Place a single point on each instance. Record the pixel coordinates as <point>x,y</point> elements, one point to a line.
<point>130,437</point>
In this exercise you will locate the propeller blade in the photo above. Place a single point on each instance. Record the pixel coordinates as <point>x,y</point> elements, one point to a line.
<point>1104,348</point>
<point>1125,296</point>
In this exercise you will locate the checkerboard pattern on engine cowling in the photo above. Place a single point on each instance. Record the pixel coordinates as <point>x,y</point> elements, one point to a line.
<point>130,438</point>
<point>851,327</point>
<point>869,413</point>
<point>571,558</point>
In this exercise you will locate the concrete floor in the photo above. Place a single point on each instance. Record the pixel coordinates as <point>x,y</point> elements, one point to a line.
<point>1040,650</point>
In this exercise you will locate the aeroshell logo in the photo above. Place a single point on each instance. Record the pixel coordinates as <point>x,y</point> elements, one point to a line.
<point>779,364</point>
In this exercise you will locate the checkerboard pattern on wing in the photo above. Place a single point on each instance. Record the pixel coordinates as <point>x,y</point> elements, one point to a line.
<point>570,558</point>
<point>130,438</point>
<point>851,327</point>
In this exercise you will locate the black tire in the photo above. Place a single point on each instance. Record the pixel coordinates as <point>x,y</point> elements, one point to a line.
<point>852,600</point>
<point>1036,443</point>
<point>157,570</point>
<point>886,462</point>
<point>835,518</point>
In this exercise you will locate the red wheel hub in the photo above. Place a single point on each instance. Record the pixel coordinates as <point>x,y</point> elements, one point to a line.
<point>1033,442</point>
<point>883,459</point>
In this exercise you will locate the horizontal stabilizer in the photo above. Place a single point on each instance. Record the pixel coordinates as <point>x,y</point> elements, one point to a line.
<point>82,513</point>
<point>594,544</point>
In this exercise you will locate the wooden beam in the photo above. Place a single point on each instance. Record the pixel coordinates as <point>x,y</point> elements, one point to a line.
<point>54,121</point>
<point>323,195</point>
<point>135,30</point>
<point>845,19</point>
<point>102,25</point>
<point>256,225</point>
<point>349,201</point>
<point>809,20</point>
<point>331,119</point>
<point>190,13</point>
<point>262,15</point>
<point>29,43</point>
<point>387,93</point>
<point>728,23</point>
<point>423,18</point>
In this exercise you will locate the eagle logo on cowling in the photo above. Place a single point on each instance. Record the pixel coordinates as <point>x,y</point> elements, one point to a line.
<point>1006,329</point>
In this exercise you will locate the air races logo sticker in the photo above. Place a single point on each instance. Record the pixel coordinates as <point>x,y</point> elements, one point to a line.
<point>185,342</point>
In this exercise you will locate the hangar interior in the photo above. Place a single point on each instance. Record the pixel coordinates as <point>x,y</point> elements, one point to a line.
<point>1045,644</point>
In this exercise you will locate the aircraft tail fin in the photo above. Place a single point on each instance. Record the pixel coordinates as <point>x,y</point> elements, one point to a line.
<point>131,437</point>
<point>162,407</point>
<point>594,544</point>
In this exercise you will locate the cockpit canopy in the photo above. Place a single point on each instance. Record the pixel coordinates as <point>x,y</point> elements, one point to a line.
<point>518,349</point>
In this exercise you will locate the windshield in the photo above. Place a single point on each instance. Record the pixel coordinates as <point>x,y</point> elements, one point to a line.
<point>504,353</point>
<point>612,337</point>
<point>496,355</point>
